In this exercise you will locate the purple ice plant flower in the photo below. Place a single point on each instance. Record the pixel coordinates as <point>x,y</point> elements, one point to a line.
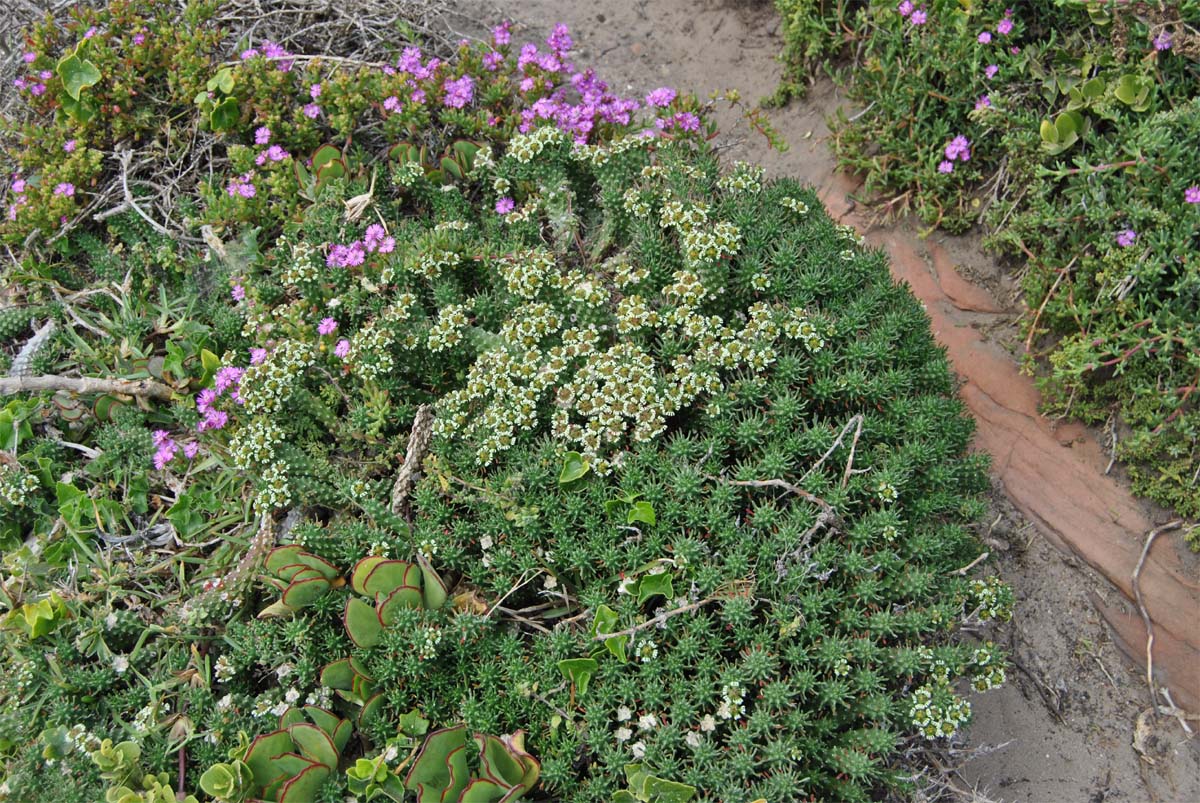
<point>238,292</point>
<point>314,91</point>
<point>492,60</point>
<point>1004,27</point>
<point>257,355</point>
<point>342,349</point>
<point>504,206</point>
<point>560,40</point>
<point>241,185</point>
<point>1126,238</point>
<point>959,148</point>
<point>262,135</point>
<point>227,377</point>
<point>1162,41</point>
<point>18,186</point>
<point>327,326</point>
<point>991,70</point>
<point>501,34</point>
<point>29,58</point>
<point>139,38</point>
<point>1192,194</point>
<point>346,256</point>
<point>985,38</point>
<point>984,102</point>
<point>392,104</point>
<point>312,111</point>
<point>191,449</point>
<point>459,92</point>
<point>946,166</point>
<point>66,189</point>
<point>661,97</point>
<point>918,17</point>
<point>905,8</point>
<point>38,90</point>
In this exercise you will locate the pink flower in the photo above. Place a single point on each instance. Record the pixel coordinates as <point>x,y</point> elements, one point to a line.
<point>1192,194</point>
<point>985,38</point>
<point>66,189</point>
<point>160,436</point>
<point>491,60</point>
<point>191,449</point>
<point>90,32</point>
<point>205,400</point>
<point>1004,27</point>
<point>18,186</point>
<point>327,326</point>
<point>227,377</point>
<point>342,349</point>
<point>687,121</point>
<point>418,96</point>
<point>29,58</point>
<point>257,356</point>
<point>983,102</point>
<point>918,17</point>
<point>314,91</point>
<point>1162,41</point>
<point>238,292</point>
<point>45,75</point>
<point>501,34</point>
<point>991,70</point>
<point>392,104</point>
<point>905,8</point>
<point>312,111</point>
<point>661,97</point>
<point>262,135</point>
<point>946,167</point>
<point>38,90</point>
<point>139,38</point>
<point>959,148</point>
<point>560,39</point>
<point>504,206</point>
<point>213,419</point>
<point>458,92</point>
<point>1126,238</point>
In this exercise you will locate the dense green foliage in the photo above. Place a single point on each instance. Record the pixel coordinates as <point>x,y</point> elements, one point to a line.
<point>692,518</point>
<point>1078,123</point>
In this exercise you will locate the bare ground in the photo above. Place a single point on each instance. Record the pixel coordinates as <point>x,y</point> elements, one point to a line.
<point>1072,724</point>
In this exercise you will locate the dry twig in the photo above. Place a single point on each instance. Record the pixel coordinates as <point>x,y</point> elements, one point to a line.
<point>141,388</point>
<point>1137,595</point>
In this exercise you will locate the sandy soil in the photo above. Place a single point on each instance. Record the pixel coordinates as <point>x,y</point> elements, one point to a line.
<point>1070,725</point>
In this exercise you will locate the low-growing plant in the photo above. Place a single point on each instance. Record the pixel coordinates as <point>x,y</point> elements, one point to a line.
<point>688,463</point>
<point>1067,127</point>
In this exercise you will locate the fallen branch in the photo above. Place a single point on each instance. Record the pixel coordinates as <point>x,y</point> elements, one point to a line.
<point>143,388</point>
<point>655,620</point>
<point>1137,595</point>
<point>418,446</point>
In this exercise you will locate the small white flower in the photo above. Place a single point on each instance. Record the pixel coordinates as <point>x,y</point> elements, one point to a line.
<point>120,664</point>
<point>110,621</point>
<point>486,542</point>
<point>623,714</point>
<point>624,734</point>
<point>550,582</point>
<point>224,703</point>
<point>708,724</point>
<point>283,671</point>
<point>625,584</point>
<point>692,739</point>
<point>647,722</point>
<point>390,754</point>
<point>638,749</point>
<point>291,696</point>
<point>224,668</point>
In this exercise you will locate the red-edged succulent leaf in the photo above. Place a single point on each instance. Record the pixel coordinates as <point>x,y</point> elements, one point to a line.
<point>439,770</point>
<point>358,575</point>
<point>370,709</point>
<point>260,753</point>
<point>303,787</point>
<point>314,744</point>
<point>483,790</point>
<point>302,593</point>
<point>290,717</point>
<point>497,763</point>
<point>338,674</point>
<point>327,569</point>
<point>292,764</point>
<point>341,734</point>
<point>389,575</point>
<point>282,556</point>
<point>362,625</point>
<point>298,571</point>
<point>324,155</point>
<point>403,598</point>
<point>433,589</point>
<point>323,718</point>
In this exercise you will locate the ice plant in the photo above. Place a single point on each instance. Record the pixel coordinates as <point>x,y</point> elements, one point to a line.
<point>1192,194</point>
<point>1126,238</point>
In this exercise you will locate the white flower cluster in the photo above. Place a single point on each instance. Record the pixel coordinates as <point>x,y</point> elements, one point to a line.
<point>253,445</point>
<point>427,645</point>
<point>431,262</point>
<point>989,668</point>
<point>524,147</point>
<point>937,712</point>
<point>275,492</point>
<point>304,268</point>
<point>796,205</point>
<point>406,174</point>
<point>265,387</point>
<point>886,492</point>
<point>744,177</point>
<point>634,202</point>
<point>733,702</point>
<point>526,272</point>
<point>599,155</point>
<point>447,331</point>
<point>371,346</point>
<point>993,599</point>
<point>16,485</point>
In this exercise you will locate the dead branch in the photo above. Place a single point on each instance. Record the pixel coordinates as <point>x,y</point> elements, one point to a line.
<point>1137,595</point>
<point>142,388</point>
<point>418,446</point>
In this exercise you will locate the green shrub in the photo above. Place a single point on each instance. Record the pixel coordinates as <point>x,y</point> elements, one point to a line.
<point>693,516</point>
<point>1070,132</point>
